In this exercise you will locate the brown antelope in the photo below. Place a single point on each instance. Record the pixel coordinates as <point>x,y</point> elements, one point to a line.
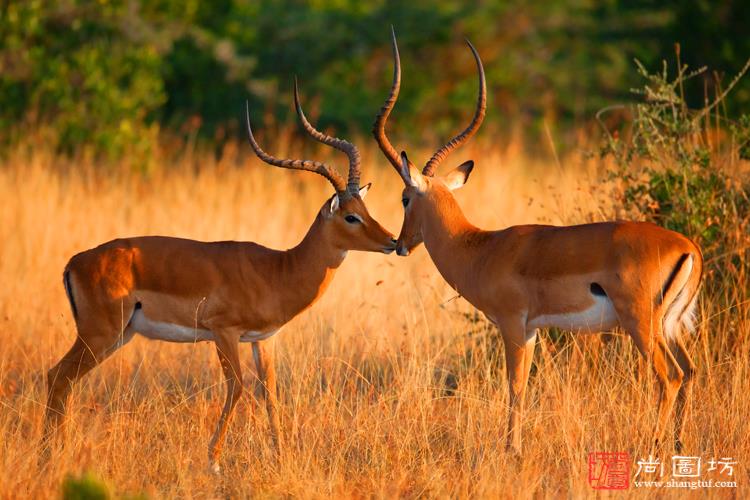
<point>227,292</point>
<point>589,277</point>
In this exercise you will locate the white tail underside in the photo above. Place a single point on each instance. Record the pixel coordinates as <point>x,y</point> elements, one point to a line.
<point>680,312</point>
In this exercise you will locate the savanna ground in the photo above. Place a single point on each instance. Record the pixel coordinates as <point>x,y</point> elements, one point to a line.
<point>389,385</point>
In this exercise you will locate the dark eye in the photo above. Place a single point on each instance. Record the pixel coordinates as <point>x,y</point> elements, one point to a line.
<point>405,202</point>
<point>352,219</point>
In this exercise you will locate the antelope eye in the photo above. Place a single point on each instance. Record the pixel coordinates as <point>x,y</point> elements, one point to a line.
<point>352,219</point>
<point>405,202</point>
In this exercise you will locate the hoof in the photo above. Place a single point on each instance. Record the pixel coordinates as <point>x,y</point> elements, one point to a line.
<point>45,454</point>
<point>658,447</point>
<point>214,468</point>
<point>514,453</point>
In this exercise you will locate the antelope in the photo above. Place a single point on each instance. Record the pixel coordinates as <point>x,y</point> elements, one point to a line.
<point>228,292</point>
<point>583,278</point>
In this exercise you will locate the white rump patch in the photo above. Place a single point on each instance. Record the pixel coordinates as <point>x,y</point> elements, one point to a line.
<point>680,312</point>
<point>598,318</point>
<point>171,332</point>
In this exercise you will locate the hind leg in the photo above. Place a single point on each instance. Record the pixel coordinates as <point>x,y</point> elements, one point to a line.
<point>646,331</point>
<point>93,344</point>
<point>684,395</point>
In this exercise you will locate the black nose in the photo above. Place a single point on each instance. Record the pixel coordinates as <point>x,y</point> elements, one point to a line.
<point>394,240</point>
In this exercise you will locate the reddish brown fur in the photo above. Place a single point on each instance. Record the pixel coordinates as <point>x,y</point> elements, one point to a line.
<point>525,272</point>
<point>526,277</point>
<point>228,288</point>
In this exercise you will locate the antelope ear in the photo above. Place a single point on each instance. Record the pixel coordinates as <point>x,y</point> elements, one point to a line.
<point>411,174</point>
<point>364,189</point>
<point>459,175</point>
<point>332,206</point>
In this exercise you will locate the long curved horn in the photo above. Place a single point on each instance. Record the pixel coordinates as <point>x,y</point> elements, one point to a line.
<point>439,156</point>
<point>378,128</point>
<point>309,165</point>
<point>351,151</point>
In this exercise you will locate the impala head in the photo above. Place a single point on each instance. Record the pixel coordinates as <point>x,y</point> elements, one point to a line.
<point>422,188</point>
<point>347,223</point>
<point>419,191</point>
<point>351,227</point>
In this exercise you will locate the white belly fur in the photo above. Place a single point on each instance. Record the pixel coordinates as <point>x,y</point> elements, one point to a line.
<point>599,317</point>
<point>171,332</point>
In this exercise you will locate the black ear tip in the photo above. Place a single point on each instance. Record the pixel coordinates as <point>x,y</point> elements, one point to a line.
<point>467,167</point>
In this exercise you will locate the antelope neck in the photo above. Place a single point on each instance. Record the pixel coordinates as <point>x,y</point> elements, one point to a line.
<point>310,266</point>
<point>448,235</point>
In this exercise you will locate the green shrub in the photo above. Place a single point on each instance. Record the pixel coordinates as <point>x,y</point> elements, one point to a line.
<point>80,77</point>
<point>84,487</point>
<point>685,168</point>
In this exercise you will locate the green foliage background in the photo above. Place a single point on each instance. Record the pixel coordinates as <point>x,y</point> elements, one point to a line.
<point>108,76</point>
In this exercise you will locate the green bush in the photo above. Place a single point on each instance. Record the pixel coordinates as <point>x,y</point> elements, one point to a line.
<point>682,168</point>
<point>73,70</point>
<point>105,76</point>
<point>84,487</point>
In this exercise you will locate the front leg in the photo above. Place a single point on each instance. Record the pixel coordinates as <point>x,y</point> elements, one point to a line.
<point>519,353</point>
<point>264,362</point>
<point>227,347</point>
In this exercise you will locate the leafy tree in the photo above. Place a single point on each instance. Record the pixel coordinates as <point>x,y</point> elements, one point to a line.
<point>80,70</point>
<point>107,75</point>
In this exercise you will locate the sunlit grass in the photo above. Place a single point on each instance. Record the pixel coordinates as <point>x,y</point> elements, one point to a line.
<point>388,386</point>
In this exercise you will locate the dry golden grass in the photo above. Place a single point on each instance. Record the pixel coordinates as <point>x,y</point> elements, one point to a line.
<point>388,387</point>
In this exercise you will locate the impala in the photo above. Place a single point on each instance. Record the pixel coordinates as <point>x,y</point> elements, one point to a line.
<point>228,292</point>
<point>586,278</point>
